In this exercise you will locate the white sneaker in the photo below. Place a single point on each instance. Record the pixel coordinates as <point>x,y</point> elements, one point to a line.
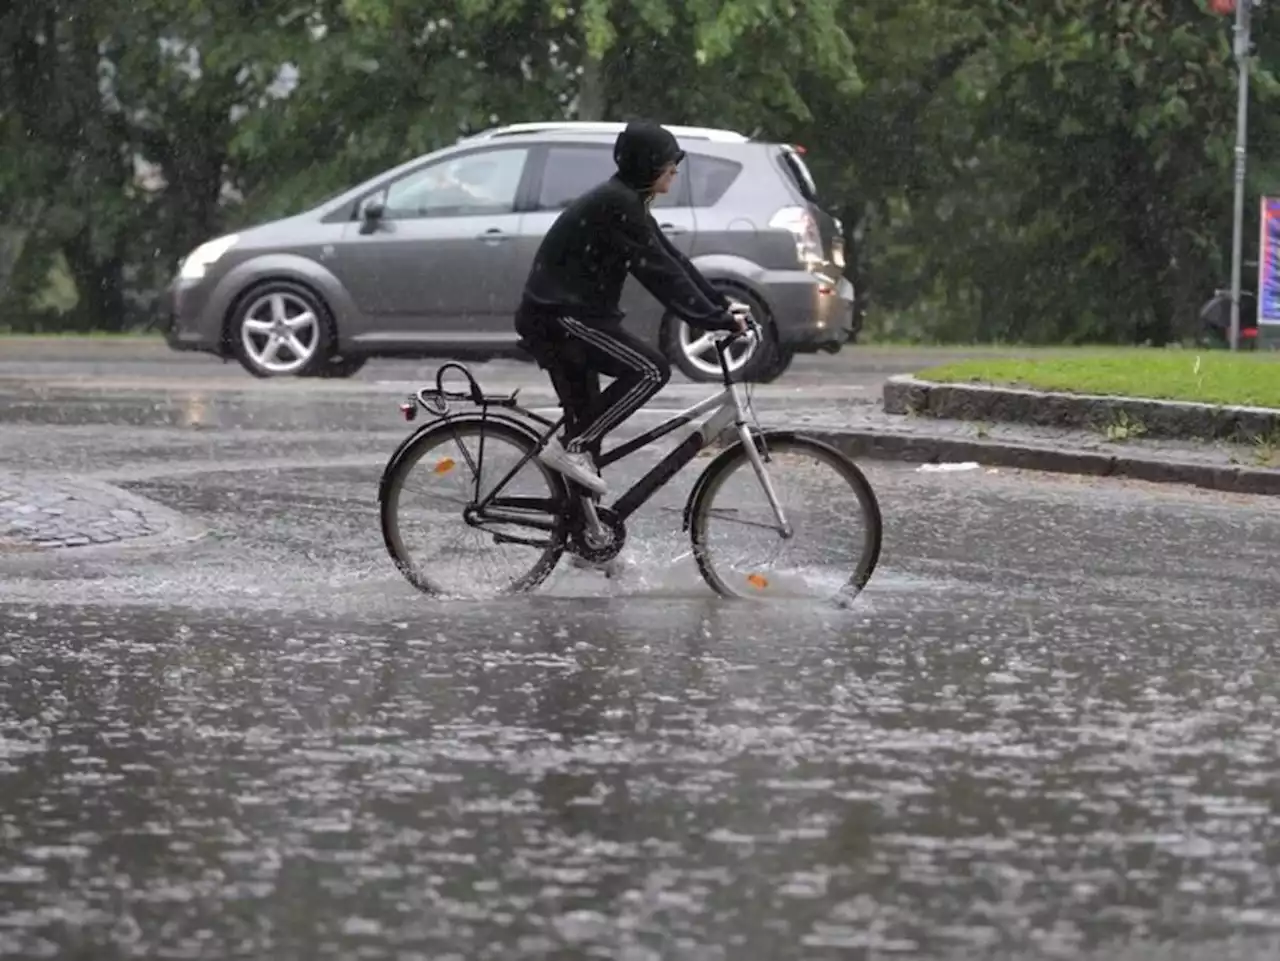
<point>575,466</point>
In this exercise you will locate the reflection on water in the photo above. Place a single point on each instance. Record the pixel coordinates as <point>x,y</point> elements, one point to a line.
<point>195,410</point>
<point>651,779</point>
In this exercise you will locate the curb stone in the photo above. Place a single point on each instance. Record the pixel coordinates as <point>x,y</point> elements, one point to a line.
<point>40,513</point>
<point>905,394</point>
<point>921,447</point>
<point>918,448</point>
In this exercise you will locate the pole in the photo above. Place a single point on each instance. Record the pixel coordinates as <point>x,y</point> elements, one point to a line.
<point>1242,121</point>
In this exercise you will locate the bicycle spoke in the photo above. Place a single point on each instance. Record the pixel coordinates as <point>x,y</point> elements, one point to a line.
<point>458,501</point>
<point>724,513</point>
<point>439,550</point>
<point>831,512</point>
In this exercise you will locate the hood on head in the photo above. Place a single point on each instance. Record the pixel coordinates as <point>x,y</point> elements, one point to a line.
<point>641,151</point>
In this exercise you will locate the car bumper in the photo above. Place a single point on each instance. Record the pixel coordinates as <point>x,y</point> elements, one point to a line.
<point>811,312</point>
<point>190,323</point>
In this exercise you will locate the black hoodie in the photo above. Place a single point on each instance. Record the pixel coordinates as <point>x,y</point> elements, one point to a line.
<point>583,260</point>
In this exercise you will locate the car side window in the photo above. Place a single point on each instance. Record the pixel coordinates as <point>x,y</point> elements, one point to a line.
<point>573,169</point>
<point>485,182</point>
<point>570,171</point>
<point>709,178</point>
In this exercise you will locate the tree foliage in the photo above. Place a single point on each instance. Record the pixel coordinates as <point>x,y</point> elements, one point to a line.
<point>1039,172</point>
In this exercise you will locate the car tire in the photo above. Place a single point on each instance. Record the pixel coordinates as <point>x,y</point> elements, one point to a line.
<point>777,363</point>
<point>282,329</point>
<point>338,367</point>
<point>677,337</point>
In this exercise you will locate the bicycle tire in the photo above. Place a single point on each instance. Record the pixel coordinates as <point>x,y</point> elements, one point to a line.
<point>452,431</point>
<point>773,443</point>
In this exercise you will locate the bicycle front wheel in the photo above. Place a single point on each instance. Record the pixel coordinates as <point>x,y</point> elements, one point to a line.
<point>428,490</point>
<point>832,512</point>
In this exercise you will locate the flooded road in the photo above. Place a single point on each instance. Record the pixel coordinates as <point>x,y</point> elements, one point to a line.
<point>1048,729</point>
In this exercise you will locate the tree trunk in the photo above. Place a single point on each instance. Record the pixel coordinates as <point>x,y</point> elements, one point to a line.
<point>100,284</point>
<point>593,93</point>
<point>96,172</point>
<point>12,239</point>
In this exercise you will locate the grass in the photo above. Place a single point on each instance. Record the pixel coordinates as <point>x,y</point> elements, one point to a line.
<point>1209,377</point>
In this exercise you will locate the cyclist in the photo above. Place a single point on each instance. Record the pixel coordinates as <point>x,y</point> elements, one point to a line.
<point>569,317</point>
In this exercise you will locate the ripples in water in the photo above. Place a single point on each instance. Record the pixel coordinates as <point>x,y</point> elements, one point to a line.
<point>664,778</point>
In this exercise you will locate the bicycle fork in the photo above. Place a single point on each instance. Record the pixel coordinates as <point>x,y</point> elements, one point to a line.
<point>757,464</point>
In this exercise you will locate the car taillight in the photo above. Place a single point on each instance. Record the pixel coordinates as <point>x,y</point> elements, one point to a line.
<point>802,225</point>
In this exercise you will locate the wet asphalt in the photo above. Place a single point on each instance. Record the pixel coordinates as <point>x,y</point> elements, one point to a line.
<point>1047,729</point>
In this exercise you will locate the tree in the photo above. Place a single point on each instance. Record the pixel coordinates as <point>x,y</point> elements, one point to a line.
<point>119,124</point>
<point>1053,172</point>
<point>1085,188</point>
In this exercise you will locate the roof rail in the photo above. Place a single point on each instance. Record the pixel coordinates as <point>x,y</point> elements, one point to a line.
<point>579,126</point>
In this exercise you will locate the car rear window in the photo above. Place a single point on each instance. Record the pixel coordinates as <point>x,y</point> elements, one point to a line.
<point>800,176</point>
<point>709,178</point>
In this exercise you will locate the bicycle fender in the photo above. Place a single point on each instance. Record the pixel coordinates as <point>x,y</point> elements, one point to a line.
<point>399,452</point>
<point>507,418</point>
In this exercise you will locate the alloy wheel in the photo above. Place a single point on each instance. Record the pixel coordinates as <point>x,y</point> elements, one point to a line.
<point>280,332</point>
<point>699,348</point>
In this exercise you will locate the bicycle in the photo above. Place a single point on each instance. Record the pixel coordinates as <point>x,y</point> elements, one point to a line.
<point>564,516</point>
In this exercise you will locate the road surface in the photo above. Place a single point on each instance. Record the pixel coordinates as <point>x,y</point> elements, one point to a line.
<point>1048,728</point>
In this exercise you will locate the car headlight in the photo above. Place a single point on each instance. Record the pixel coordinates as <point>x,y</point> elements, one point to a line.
<point>205,256</point>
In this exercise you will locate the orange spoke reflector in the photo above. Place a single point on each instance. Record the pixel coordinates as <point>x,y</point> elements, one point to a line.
<point>446,464</point>
<point>758,581</point>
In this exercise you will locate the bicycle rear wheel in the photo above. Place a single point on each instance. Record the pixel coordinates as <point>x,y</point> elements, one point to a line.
<point>826,499</point>
<point>427,488</point>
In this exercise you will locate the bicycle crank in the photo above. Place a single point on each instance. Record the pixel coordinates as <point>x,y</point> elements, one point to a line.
<point>600,537</point>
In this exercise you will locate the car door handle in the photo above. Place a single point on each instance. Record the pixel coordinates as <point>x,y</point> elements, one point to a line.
<point>492,235</point>
<point>672,229</point>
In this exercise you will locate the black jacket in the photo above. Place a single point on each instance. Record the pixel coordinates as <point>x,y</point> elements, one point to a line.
<point>583,261</point>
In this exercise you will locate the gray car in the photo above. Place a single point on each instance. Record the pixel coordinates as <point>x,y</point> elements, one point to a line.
<point>428,259</point>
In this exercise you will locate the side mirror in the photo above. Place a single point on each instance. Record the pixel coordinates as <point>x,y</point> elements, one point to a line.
<point>371,216</point>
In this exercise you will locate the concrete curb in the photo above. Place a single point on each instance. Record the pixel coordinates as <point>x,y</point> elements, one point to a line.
<point>905,394</point>
<point>917,448</point>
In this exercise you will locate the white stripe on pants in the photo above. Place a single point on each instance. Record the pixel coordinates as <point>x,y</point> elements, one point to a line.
<point>650,382</point>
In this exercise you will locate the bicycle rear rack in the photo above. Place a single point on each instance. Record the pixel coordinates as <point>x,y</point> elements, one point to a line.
<point>436,401</point>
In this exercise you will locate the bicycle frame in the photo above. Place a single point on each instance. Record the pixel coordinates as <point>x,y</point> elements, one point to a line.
<point>728,411</point>
<point>727,405</point>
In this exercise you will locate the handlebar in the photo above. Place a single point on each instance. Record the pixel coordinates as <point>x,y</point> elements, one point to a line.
<point>723,338</point>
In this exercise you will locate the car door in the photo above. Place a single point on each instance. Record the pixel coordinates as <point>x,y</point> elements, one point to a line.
<point>567,171</point>
<point>438,263</point>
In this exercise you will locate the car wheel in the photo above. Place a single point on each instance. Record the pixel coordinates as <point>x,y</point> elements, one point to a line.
<point>281,329</point>
<point>778,362</point>
<point>694,352</point>
<point>338,367</point>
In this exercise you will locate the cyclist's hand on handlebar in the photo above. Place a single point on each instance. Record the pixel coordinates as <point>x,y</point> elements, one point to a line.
<point>729,325</point>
